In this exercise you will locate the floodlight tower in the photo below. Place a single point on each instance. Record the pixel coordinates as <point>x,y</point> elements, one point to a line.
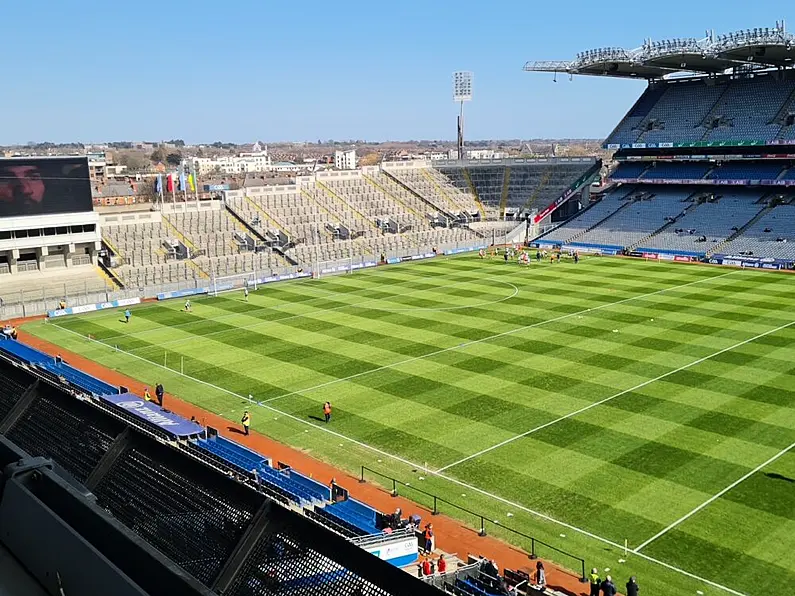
<point>462,91</point>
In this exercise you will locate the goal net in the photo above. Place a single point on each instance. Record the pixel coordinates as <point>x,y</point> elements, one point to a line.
<point>230,283</point>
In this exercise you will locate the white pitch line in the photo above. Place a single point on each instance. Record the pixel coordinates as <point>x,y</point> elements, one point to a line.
<point>612,397</point>
<point>713,498</point>
<point>278,307</point>
<point>485,493</point>
<point>321,311</point>
<point>490,337</point>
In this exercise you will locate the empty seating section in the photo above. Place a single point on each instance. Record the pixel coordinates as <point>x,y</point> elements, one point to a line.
<point>627,130</point>
<point>13,385</point>
<point>676,171</point>
<point>588,218</point>
<point>371,201</point>
<point>487,180</point>
<point>144,250</point>
<point>436,189</point>
<point>630,170</point>
<point>771,236</point>
<point>355,513</point>
<point>747,171</point>
<point>48,429</point>
<point>716,219</point>
<point>747,110</point>
<point>195,523</point>
<point>537,185</point>
<point>646,214</point>
<point>742,109</point>
<point>679,113</point>
<point>308,214</point>
<point>248,461</point>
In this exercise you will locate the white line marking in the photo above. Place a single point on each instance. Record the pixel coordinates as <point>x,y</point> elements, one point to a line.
<point>485,493</point>
<point>488,338</point>
<point>713,498</point>
<point>320,311</point>
<point>277,307</point>
<point>612,397</point>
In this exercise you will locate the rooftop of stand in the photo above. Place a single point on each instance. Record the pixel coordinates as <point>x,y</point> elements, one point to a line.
<point>749,49</point>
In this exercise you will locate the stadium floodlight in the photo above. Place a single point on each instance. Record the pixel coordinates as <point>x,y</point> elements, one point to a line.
<point>462,91</point>
<point>462,86</point>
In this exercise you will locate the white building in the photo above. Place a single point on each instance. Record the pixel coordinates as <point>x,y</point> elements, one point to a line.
<point>242,163</point>
<point>345,160</point>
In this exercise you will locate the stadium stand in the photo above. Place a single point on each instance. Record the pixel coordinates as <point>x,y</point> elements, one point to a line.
<point>772,235</point>
<point>710,110</point>
<point>676,171</point>
<point>513,186</point>
<point>210,530</point>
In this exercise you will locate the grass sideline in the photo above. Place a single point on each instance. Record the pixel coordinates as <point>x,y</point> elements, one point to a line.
<point>655,388</point>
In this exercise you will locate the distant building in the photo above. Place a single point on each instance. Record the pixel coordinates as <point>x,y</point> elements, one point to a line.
<point>345,160</point>
<point>243,163</point>
<point>97,167</point>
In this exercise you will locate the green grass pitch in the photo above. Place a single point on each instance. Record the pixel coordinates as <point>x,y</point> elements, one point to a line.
<point>583,404</point>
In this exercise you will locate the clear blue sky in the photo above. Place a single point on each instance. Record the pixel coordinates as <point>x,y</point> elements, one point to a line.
<point>266,69</point>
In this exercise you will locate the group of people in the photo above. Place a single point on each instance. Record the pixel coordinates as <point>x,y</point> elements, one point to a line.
<point>606,587</point>
<point>523,256</point>
<point>10,331</point>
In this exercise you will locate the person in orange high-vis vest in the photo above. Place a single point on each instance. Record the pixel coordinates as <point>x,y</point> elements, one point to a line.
<point>327,411</point>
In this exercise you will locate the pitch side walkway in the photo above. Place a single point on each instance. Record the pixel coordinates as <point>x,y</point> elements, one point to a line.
<point>451,536</point>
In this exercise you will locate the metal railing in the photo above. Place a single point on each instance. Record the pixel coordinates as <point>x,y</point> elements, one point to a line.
<point>483,519</point>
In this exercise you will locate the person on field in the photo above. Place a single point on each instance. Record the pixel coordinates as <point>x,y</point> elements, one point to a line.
<point>246,421</point>
<point>147,395</point>
<point>576,257</point>
<point>327,411</point>
<point>505,256</point>
<point>127,315</point>
<point>159,392</point>
<point>608,587</point>
<point>187,306</point>
<point>632,586</point>
<point>245,293</point>
<point>595,582</point>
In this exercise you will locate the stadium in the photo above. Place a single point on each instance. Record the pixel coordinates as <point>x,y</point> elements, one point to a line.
<point>567,361</point>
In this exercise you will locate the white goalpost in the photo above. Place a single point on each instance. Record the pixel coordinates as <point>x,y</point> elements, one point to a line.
<point>236,282</point>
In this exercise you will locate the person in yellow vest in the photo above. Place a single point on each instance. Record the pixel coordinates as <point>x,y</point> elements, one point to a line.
<point>595,581</point>
<point>246,421</point>
<point>147,395</point>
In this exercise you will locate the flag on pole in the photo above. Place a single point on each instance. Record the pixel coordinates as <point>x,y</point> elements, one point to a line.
<point>192,182</point>
<point>170,183</point>
<point>159,184</point>
<point>183,185</point>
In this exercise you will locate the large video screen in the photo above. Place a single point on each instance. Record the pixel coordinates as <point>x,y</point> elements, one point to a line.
<point>40,186</point>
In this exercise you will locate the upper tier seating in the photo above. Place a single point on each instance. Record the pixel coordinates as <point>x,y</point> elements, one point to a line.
<point>676,171</point>
<point>748,109</point>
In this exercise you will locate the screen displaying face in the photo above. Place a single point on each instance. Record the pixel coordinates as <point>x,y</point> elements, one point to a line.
<point>38,186</point>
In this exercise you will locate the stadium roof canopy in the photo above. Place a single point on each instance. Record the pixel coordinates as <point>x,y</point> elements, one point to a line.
<point>747,50</point>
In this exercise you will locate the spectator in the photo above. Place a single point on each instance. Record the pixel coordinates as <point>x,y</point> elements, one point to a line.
<point>426,567</point>
<point>541,575</point>
<point>608,587</point>
<point>428,536</point>
<point>632,587</point>
<point>442,565</point>
<point>595,582</point>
